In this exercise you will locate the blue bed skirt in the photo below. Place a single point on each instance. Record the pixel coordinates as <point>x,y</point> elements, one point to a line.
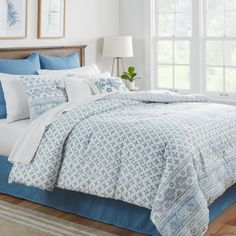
<point>109,211</point>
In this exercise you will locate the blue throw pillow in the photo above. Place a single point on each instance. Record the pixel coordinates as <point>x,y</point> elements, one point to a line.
<point>28,66</point>
<point>60,63</point>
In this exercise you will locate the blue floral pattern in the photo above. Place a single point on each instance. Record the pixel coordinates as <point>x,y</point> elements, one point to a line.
<point>107,85</point>
<point>43,94</point>
<point>174,158</point>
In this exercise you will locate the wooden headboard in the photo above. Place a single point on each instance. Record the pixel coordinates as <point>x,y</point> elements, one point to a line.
<point>22,52</point>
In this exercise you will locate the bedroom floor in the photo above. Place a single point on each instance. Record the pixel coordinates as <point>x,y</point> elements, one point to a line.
<point>225,225</point>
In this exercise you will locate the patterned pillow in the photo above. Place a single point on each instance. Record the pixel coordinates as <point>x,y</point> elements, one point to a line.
<point>107,85</point>
<point>43,93</point>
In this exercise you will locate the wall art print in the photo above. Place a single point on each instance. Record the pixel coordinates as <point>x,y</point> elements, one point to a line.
<point>13,19</point>
<point>51,22</point>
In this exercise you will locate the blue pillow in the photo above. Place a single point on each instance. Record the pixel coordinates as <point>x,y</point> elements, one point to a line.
<point>28,66</point>
<point>60,63</point>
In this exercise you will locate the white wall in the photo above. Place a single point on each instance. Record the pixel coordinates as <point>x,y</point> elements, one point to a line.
<point>132,22</point>
<point>87,22</point>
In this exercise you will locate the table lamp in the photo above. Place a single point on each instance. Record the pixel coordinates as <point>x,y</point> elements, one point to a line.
<point>118,47</point>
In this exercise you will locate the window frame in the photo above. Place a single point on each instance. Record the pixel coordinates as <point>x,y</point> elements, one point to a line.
<point>198,66</point>
<point>205,38</point>
<point>173,39</point>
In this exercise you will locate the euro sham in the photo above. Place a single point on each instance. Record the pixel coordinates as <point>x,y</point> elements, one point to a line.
<point>59,63</point>
<point>16,102</point>
<point>28,66</point>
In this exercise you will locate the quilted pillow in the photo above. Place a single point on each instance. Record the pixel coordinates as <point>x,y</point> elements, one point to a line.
<point>43,93</point>
<point>106,85</point>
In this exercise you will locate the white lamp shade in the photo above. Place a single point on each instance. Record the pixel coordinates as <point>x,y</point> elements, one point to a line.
<point>118,46</point>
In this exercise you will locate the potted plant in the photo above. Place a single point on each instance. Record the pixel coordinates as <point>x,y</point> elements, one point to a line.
<point>130,76</point>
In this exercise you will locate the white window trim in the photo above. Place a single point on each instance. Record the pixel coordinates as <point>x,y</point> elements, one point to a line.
<point>198,53</point>
<point>218,96</point>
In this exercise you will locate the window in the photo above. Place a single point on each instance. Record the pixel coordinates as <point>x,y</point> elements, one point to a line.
<point>220,47</point>
<point>195,45</point>
<point>174,30</point>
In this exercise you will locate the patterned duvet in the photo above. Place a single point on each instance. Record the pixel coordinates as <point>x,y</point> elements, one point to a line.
<point>172,154</point>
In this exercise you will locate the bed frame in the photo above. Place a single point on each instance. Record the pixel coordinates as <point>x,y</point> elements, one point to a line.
<point>109,211</point>
<point>23,52</point>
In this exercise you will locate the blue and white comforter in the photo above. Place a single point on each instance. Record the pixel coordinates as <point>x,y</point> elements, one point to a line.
<point>172,154</point>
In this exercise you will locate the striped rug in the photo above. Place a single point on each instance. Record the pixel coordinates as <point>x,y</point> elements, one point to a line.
<point>18,221</point>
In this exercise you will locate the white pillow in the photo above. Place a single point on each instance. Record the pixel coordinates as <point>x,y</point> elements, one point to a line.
<point>14,93</point>
<point>82,72</point>
<point>77,89</point>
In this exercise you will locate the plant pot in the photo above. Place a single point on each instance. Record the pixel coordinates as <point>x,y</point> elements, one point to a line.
<point>131,85</point>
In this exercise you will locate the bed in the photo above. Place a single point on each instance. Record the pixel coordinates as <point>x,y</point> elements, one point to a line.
<point>106,210</point>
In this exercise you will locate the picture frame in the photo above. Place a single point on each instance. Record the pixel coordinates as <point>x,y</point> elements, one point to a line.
<point>13,19</point>
<point>51,19</point>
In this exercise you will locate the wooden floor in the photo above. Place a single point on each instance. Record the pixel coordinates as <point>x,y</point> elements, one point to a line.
<point>225,225</point>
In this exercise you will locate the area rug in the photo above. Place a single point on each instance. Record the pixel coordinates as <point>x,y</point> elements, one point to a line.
<point>19,221</point>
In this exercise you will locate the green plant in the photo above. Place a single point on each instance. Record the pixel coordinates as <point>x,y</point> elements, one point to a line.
<point>130,74</point>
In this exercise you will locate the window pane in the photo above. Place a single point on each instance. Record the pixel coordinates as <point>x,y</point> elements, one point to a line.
<point>182,77</point>
<point>183,24</point>
<point>230,55</point>
<point>166,6</point>
<point>215,24</point>
<point>183,5</point>
<point>165,76</point>
<point>215,5</point>
<point>165,52</point>
<point>230,24</point>
<point>230,80</point>
<point>214,53</point>
<point>214,79</point>
<point>182,52</point>
<point>230,5</point>
<point>166,24</point>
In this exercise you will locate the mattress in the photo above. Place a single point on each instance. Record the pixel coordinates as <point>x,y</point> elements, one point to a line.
<point>9,133</point>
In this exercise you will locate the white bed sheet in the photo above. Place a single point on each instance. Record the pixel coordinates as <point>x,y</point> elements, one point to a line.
<point>9,133</point>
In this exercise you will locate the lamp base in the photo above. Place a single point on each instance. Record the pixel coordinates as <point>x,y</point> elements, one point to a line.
<point>119,63</point>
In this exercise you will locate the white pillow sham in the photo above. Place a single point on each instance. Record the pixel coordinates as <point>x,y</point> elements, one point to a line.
<point>77,89</point>
<point>82,72</point>
<point>16,101</point>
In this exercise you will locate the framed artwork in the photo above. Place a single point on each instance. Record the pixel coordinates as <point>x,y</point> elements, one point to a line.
<point>51,19</point>
<point>13,19</point>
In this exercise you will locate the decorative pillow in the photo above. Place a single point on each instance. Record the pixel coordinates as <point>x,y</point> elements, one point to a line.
<point>28,66</point>
<point>16,102</point>
<point>77,89</point>
<point>106,85</point>
<point>60,63</point>
<point>43,93</point>
<point>81,72</point>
